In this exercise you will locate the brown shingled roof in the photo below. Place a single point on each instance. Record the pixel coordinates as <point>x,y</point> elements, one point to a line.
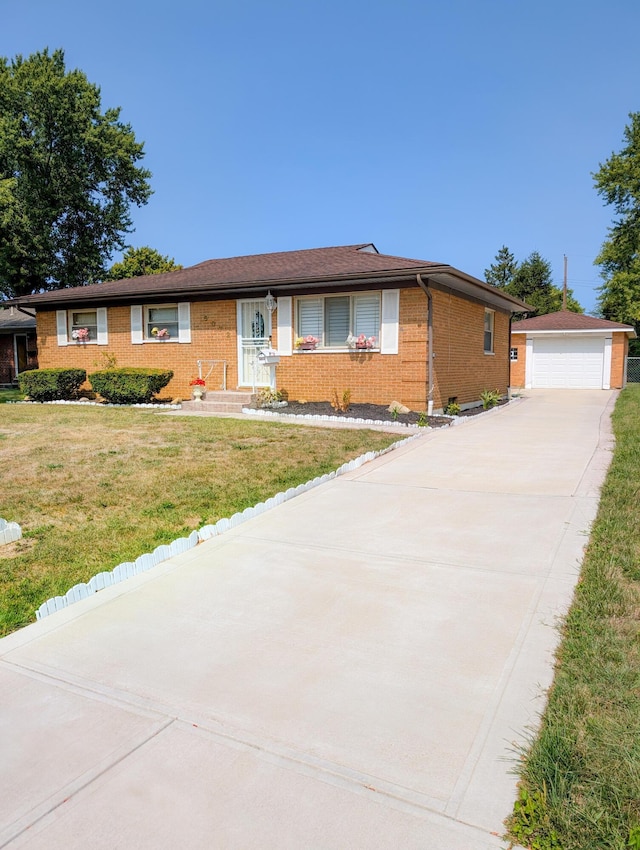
<point>566,320</point>
<point>235,273</point>
<point>314,269</point>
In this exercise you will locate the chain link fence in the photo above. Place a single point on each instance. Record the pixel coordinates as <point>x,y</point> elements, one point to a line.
<point>633,370</point>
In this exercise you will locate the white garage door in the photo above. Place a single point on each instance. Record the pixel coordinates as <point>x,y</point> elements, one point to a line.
<point>568,362</point>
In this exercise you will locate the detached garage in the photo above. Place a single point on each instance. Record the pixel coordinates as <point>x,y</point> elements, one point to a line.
<point>566,350</point>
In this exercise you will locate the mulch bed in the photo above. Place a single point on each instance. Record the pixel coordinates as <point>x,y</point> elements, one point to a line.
<point>369,411</point>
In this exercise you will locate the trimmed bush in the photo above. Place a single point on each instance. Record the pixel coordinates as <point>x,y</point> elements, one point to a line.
<point>129,385</point>
<point>51,384</point>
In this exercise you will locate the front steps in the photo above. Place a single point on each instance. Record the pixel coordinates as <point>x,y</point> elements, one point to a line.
<point>220,401</point>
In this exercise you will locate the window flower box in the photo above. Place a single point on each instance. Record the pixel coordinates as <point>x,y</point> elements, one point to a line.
<point>307,343</point>
<point>361,342</point>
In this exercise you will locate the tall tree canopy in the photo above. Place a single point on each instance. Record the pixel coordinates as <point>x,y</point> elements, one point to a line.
<point>68,176</point>
<point>530,281</point>
<point>140,261</point>
<point>618,182</point>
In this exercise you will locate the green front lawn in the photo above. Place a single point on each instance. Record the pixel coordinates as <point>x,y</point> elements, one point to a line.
<point>93,487</point>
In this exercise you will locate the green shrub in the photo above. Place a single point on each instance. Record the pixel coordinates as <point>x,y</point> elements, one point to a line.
<point>51,384</point>
<point>129,385</point>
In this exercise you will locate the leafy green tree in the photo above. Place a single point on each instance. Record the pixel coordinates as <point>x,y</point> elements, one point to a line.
<point>501,272</point>
<point>68,176</point>
<point>618,182</point>
<point>141,261</point>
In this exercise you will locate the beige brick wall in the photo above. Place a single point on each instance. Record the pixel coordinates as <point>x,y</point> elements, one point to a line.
<point>619,350</point>
<point>517,379</point>
<point>461,368</point>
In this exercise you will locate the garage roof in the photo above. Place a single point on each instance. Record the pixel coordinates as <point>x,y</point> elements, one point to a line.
<point>566,320</point>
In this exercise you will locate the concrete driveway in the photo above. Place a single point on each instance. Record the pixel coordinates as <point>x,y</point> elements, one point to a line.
<point>352,669</point>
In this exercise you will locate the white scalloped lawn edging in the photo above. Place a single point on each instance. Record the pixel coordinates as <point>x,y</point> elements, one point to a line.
<point>326,418</point>
<point>89,403</point>
<point>183,544</point>
<point>9,532</point>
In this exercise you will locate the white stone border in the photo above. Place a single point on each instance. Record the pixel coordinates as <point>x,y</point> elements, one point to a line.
<point>89,403</point>
<point>9,532</point>
<point>162,553</point>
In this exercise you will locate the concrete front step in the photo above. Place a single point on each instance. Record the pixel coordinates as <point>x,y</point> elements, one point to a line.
<point>221,401</point>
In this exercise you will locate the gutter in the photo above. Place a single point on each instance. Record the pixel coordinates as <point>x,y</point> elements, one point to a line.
<point>430,353</point>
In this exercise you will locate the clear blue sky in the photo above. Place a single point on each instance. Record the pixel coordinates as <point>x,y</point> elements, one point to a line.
<point>437,130</point>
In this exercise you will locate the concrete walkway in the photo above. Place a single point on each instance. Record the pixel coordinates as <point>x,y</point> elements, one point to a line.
<point>350,670</point>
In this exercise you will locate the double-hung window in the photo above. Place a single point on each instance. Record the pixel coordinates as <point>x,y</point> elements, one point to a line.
<point>331,319</point>
<point>161,322</point>
<point>83,325</point>
<point>79,327</point>
<point>489,316</point>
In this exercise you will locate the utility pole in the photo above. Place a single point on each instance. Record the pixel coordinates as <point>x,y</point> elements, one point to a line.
<point>564,285</point>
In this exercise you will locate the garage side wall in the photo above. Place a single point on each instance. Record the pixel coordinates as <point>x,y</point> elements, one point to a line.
<point>619,351</point>
<point>518,366</point>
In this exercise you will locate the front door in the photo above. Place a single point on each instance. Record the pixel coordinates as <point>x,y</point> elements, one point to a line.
<point>22,361</point>
<point>254,333</point>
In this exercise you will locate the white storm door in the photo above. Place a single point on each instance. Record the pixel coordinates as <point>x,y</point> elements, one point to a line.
<point>254,332</point>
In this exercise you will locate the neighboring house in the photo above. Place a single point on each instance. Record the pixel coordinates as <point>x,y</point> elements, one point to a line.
<point>569,350</point>
<point>18,349</point>
<point>225,311</point>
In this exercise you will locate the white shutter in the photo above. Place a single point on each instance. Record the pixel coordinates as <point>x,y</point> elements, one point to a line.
<point>390,324</point>
<point>101,314</point>
<point>285,325</point>
<point>184,322</point>
<point>61,326</point>
<point>136,324</point>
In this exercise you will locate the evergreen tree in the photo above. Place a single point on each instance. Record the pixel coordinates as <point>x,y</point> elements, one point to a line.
<point>500,273</point>
<point>530,281</point>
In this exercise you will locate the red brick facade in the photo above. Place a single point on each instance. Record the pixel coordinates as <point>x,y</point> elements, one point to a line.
<point>461,367</point>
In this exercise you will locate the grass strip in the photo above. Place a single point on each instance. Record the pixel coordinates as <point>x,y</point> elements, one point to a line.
<point>580,778</point>
<point>94,487</point>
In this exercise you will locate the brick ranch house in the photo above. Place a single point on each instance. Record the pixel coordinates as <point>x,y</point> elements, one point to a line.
<point>217,312</point>
<point>566,350</point>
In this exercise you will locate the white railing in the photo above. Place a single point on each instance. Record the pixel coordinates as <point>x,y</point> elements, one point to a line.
<point>202,364</point>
